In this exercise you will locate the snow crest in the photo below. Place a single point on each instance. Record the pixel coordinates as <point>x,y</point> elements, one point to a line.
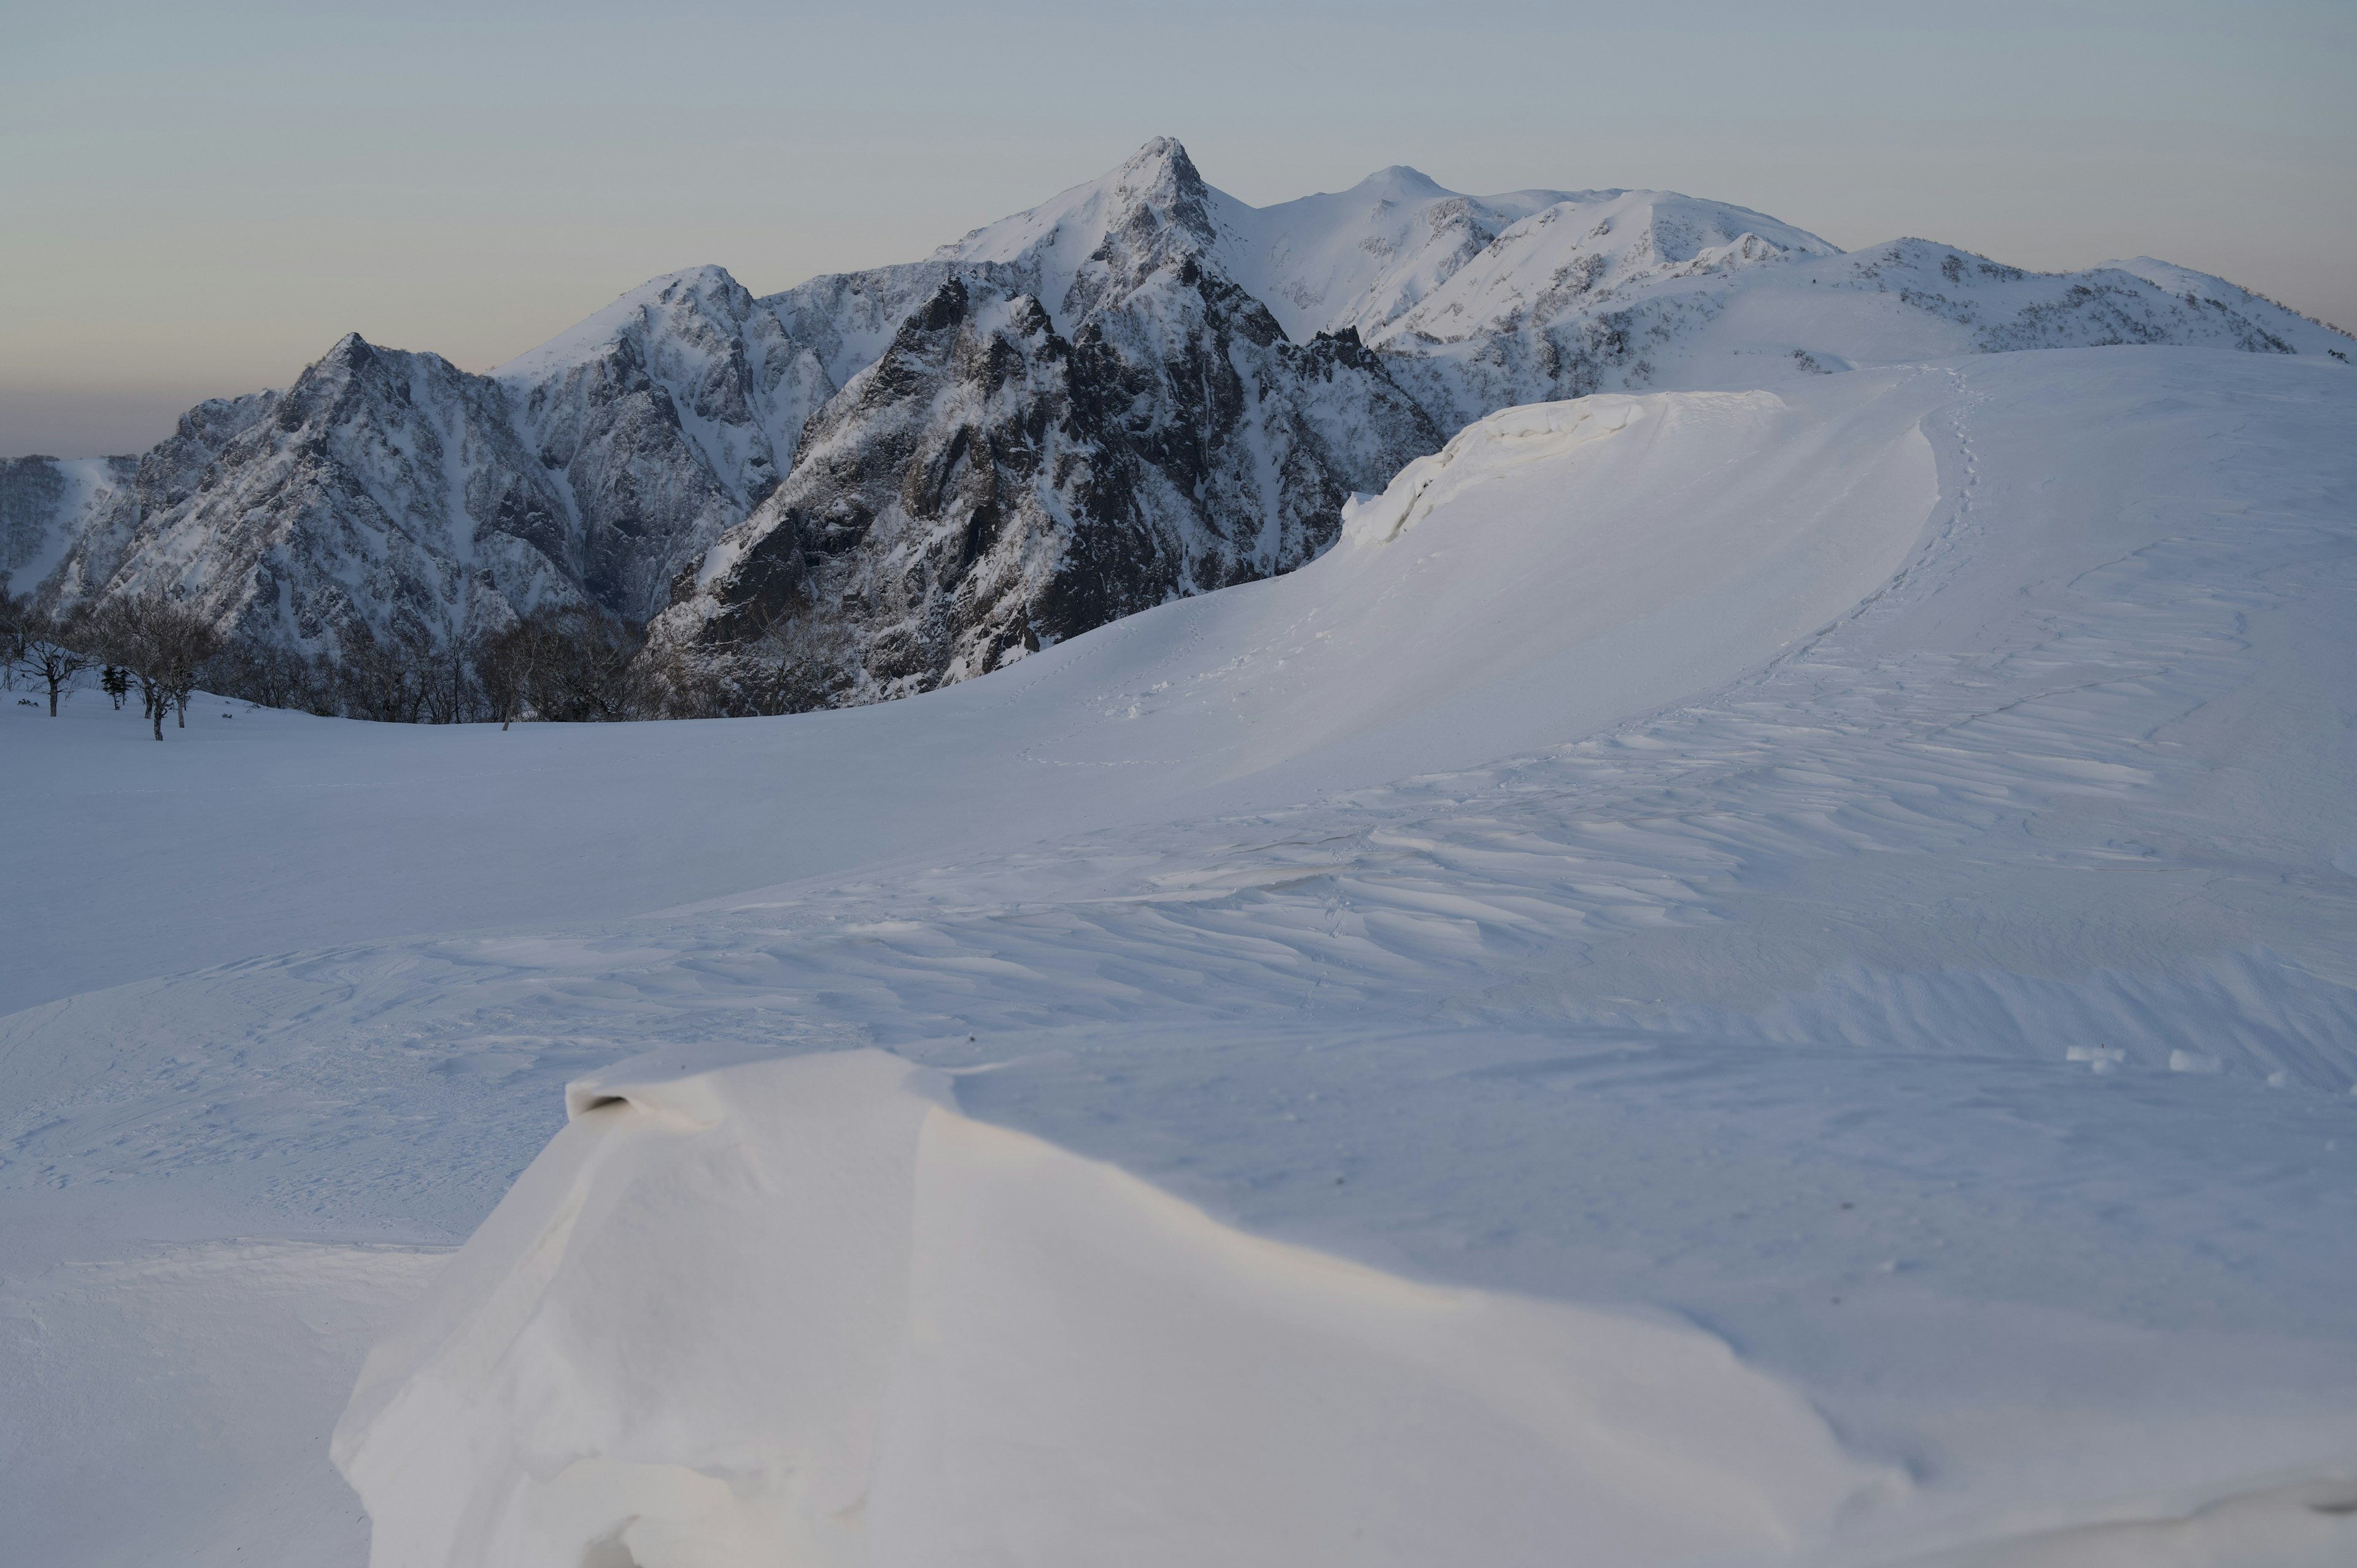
<point>805,1311</point>
<point>1510,439</point>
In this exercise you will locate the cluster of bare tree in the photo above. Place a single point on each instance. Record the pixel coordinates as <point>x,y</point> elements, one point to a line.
<point>146,639</point>
<point>36,645</point>
<point>788,662</point>
<point>568,665</point>
<point>565,665</point>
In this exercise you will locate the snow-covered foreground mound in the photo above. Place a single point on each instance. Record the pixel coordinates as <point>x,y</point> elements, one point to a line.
<point>1863,877</point>
<point>803,1312</point>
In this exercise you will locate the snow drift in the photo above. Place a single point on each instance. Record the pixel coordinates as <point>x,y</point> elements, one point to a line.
<point>1554,569</point>
<point>803,1312</point>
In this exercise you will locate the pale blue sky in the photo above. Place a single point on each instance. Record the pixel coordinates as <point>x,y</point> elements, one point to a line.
<point>197,200</point>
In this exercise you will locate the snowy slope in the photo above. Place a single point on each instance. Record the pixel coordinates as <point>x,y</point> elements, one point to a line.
<point>1446,267</point>
<point>1360,257</point>
<point>46,502</point>
<point>384,492</point>
<point>1373,258</point>
<point>1861,873</point>
<point>1745,313</point>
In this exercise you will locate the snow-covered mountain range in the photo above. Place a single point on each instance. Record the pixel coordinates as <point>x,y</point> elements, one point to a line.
<point>1139,389</point>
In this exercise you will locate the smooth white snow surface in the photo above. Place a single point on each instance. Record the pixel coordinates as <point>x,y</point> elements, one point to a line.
<point>1839,902</point>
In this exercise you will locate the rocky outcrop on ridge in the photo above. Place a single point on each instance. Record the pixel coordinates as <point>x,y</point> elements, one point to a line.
<point>993,483</point>
<point>383,490</point>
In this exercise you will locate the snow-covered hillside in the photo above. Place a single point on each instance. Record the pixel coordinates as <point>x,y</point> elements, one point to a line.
<point>1779,956</point>
<point>1482,302</point>
<point>1388,253</point>
<point>1205,383</point>
<point>40,500</point>
<point>383,490</point>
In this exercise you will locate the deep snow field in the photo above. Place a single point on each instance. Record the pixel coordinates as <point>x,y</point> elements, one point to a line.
<point>1732,978</point>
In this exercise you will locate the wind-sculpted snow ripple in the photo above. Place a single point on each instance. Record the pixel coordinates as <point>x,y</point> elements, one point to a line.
<point>1766,866</point>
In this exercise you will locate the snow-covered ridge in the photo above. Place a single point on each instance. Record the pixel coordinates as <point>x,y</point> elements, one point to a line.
<point>1471,266</point>
<point>1492,447</point>
<point>805,1311</point>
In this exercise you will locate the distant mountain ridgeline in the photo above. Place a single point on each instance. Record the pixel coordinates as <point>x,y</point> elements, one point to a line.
<point>875,483</point>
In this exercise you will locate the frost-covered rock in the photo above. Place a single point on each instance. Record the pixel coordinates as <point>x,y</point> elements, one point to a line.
<point>385,490</point>
<point>994,484</point>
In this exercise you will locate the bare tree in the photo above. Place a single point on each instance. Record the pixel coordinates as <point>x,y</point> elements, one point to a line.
<point>672,680</point>
<point>791,662</point>
<point>782,661</point>
<point>382,678</point>
<point>586,677</point>
<point>51,647</point>
<point>163,643</point>
<point>15,609</point>
<point>274,676</point>
<point>569,666</point>
<point>500,659</point>
<point>45,647</point>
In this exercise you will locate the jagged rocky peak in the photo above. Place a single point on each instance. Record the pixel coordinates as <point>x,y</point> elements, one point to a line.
<point>1156,189</point>
<point>1090,247</point>
<point>701,353</point>
<point>384,494</point>
<point>668,415</point>
<point>352,369</point>
<point>702,306</point>
<point>990,485</point>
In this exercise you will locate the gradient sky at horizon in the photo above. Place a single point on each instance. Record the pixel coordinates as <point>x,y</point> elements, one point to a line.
<point>197,201</point>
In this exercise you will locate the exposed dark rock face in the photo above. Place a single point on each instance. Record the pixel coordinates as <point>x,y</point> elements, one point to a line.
<point>989,487</point>
<point>662,421</point>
